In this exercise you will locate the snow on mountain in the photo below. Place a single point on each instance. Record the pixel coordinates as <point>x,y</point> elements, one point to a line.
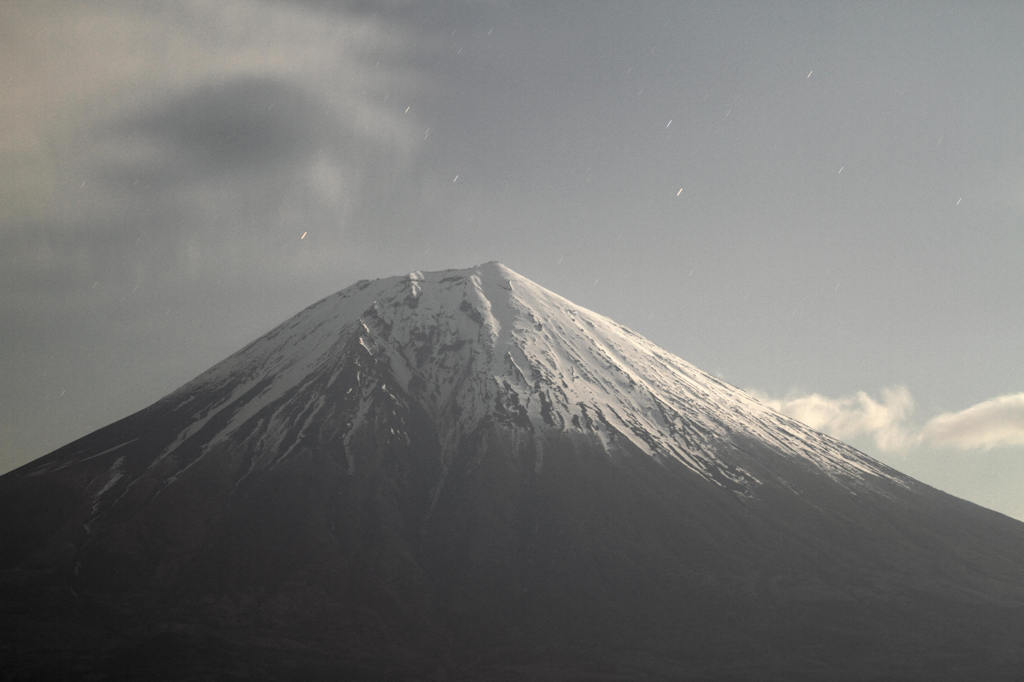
<point>485,341</point>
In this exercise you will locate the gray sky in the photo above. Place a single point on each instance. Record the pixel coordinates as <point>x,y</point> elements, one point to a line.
<point>823,203</point>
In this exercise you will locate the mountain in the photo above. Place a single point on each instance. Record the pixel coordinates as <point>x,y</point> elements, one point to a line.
<point>461,475</point>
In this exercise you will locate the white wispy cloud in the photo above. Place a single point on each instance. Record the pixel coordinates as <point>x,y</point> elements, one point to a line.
<point>860,415</point>
<point>992,423</point>
<point>887,420</point>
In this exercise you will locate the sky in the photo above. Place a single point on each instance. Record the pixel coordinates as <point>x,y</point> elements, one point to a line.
<point>822,203</point>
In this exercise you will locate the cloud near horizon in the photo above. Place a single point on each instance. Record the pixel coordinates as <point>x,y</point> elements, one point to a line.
<point>860,415</point>
<point>993,423</point>
<point>989,424</point>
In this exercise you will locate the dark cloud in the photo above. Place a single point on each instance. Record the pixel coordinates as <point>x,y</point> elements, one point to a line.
<point>420,15</point>
<point>220,127</point>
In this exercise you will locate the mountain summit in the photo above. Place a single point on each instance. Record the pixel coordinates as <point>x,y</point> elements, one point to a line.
<point>462,475</point>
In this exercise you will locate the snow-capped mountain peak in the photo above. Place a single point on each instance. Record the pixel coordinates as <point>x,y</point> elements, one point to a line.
<point>487,343</point>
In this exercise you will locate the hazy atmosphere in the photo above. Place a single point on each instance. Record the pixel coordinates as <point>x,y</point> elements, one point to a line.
<point>821,203</point>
